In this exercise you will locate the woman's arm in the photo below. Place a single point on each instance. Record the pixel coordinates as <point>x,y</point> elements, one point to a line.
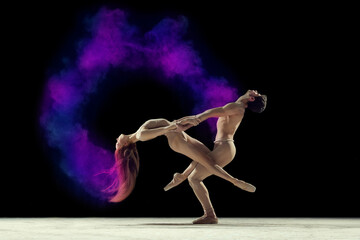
<point>154,128</point>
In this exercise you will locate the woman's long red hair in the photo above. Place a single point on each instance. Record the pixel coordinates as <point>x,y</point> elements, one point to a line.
<point>126,167</point>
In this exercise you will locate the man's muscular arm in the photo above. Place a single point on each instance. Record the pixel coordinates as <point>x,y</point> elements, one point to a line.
<point>227,110</point>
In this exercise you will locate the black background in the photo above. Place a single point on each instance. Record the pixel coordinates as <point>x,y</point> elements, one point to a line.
<point>301,153</point>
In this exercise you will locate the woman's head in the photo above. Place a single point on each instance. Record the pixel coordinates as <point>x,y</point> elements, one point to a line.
<point>122,140</point>
<point>127,167</point>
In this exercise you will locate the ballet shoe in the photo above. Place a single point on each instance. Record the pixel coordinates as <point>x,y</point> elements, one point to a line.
<point>177,179</point>
<point>245,186</point>
<point>206,220</point>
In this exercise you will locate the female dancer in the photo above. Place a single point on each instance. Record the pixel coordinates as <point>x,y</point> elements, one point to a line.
<point>127,157</point>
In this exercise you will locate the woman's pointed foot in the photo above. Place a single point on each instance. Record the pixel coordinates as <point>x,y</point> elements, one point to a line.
<point>245,186</point>
<point>177,179</point>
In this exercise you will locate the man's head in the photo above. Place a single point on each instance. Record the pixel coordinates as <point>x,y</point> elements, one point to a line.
<point>255,101</point>
<point>258,104</point>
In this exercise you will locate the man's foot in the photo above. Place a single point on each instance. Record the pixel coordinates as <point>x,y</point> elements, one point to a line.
<point>245,186</point>
<point>206,220</point>
<point>178,178</point>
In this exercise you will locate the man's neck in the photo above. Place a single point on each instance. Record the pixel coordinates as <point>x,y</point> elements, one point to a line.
<point>243,101</point>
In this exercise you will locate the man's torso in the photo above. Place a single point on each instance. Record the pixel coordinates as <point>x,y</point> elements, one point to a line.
<point>227,126</point>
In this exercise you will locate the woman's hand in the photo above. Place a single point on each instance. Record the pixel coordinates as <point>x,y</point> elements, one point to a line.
<point>192,120</point>
<point>173,126</point>
<point>185,123</point>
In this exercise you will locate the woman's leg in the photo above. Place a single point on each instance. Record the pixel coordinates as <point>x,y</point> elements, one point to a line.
<point>180,177</point>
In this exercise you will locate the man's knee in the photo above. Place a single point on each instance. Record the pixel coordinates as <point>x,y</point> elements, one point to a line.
<point>193,180</point>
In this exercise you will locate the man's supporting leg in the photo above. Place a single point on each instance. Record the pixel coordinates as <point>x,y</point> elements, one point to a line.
<point>196,182</point>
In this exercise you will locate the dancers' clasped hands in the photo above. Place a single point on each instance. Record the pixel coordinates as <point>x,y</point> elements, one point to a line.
<point>185,123</point>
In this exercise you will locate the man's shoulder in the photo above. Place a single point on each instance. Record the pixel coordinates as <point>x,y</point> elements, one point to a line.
<point>236,108</point>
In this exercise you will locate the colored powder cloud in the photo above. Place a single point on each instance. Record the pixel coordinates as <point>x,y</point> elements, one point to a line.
<point>114,43</point>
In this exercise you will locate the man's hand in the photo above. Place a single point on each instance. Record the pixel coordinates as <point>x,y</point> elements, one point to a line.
<point>192,120</point>
<point>251,94</point>
<point>254,93</point>
<point>184,123</point>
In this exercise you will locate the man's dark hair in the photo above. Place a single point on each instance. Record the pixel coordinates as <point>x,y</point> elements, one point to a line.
<point>258,105</point>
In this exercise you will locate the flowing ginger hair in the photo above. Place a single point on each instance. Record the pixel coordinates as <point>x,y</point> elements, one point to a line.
<point>126,168</point>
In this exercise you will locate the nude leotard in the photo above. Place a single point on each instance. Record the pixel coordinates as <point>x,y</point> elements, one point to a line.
<point>223,140</point>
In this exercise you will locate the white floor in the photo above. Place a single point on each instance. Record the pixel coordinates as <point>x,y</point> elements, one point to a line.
<point>178,228</point>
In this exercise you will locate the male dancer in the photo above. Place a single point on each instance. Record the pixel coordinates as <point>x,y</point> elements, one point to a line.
<point>230,117</point>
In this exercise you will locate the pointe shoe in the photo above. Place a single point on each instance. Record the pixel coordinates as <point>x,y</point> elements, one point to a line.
<point>245,186</point>
<point>206,220</point>
<point>177,179</point>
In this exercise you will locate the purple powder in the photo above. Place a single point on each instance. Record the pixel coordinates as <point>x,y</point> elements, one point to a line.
<point>114,43</point>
